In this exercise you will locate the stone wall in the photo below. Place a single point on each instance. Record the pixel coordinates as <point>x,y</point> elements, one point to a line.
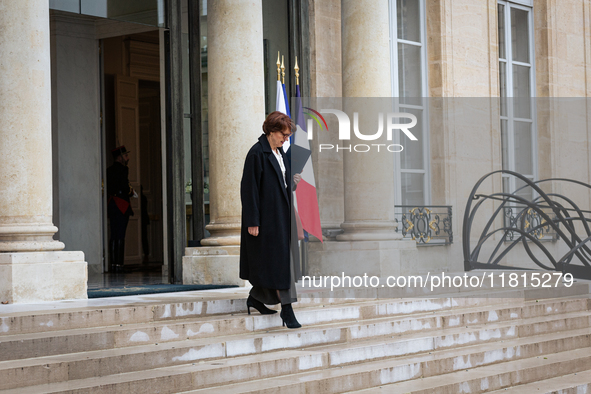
<point>77,136</point>
<point>465,135</point>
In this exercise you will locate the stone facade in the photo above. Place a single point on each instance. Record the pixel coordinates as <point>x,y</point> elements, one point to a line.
<point>32,266</point>
<point>349,48</point>
<point>465,136</point>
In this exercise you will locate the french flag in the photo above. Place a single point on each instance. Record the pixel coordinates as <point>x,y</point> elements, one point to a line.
<point>301,163</point>
<point>281,106</point>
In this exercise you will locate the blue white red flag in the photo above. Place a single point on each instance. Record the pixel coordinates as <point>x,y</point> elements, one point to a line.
<point>285,147</point>
<point>301,163</point>
<point>286,101</point>
<point>280,105</point>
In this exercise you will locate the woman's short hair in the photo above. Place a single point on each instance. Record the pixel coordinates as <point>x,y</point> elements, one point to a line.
<point>277,121</point>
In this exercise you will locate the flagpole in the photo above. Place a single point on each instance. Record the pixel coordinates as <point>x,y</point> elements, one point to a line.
<point>306,194</point>
<point>282,71</point>
<point>297,71</point>
<point>278,68</point>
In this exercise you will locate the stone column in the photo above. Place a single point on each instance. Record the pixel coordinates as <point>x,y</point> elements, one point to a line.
<point>25,128</point>
<point>236,107</point>
<point>368,178</point>
<point>369,244</point>
<point>236,114</point>
<point>29,264</point>
<point>326,81</point>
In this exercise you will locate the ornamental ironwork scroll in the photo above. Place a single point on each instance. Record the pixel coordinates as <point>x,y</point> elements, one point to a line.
<point>550,222</point>
<point>426,224</point>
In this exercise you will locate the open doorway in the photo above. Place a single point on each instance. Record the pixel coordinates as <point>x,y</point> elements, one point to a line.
<point>132,118</point>
<point>89,55</point>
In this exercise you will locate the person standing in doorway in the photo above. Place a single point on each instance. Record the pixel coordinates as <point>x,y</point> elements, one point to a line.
<point>119,206</point>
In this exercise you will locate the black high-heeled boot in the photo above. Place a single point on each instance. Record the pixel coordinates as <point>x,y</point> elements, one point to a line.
<point>288,316</point>
<point>259,306</point>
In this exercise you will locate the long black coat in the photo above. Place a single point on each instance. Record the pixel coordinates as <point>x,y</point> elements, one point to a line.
<point>266,203</point>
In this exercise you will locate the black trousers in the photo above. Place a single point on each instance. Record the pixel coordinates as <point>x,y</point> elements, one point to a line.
<point>270,297</point>
<point>118,221</point>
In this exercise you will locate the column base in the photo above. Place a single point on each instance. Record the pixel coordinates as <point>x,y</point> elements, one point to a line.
<point>30,246</point>
<point>222,234</point>
<point>31,277</point>
<point>221,241</point>
<point>212,266</point>
<point>374,258</point>
<point>28,237</point>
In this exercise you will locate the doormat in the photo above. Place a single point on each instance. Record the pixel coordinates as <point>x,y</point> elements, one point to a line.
<point>149,289</point>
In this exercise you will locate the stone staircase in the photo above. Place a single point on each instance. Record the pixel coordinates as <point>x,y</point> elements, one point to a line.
<point>513,341</point>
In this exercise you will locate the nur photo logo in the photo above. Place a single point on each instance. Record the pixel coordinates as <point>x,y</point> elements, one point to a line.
<point>392,122</point>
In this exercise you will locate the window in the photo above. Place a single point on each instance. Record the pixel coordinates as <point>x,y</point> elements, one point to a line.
<point>147,12</point>
<point>409,86</point>
<point>517,84</point>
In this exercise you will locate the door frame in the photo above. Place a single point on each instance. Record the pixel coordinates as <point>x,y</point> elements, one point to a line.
<point>103,138</point>
<point>104,155</point>
<point>175,154</point>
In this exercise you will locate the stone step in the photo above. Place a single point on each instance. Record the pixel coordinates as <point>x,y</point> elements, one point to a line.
<point>43,321</point>
<point>517,347</point>
<point>88,317</point>
<point>383,375</point>
<point>388,315</point>
<point>190,305</point>
<point>163,321</point>
<point>573,383</point>
<point>494,378</point>
<point>556,290</point>
<point>86,339</point>
<point>432,363</point>
<point>204,374</point>
<point>366,344</point>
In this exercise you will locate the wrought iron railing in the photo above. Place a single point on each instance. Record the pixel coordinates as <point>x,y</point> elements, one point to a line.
<point>426,224</point>
<point>518,216</point>
<point>527,222</point>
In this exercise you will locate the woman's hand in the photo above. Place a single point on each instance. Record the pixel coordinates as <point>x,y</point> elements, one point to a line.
<point>296,179</point>
<point>254,231</point>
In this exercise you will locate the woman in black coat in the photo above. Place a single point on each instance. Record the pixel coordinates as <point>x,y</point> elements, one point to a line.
<point>266,191</point>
